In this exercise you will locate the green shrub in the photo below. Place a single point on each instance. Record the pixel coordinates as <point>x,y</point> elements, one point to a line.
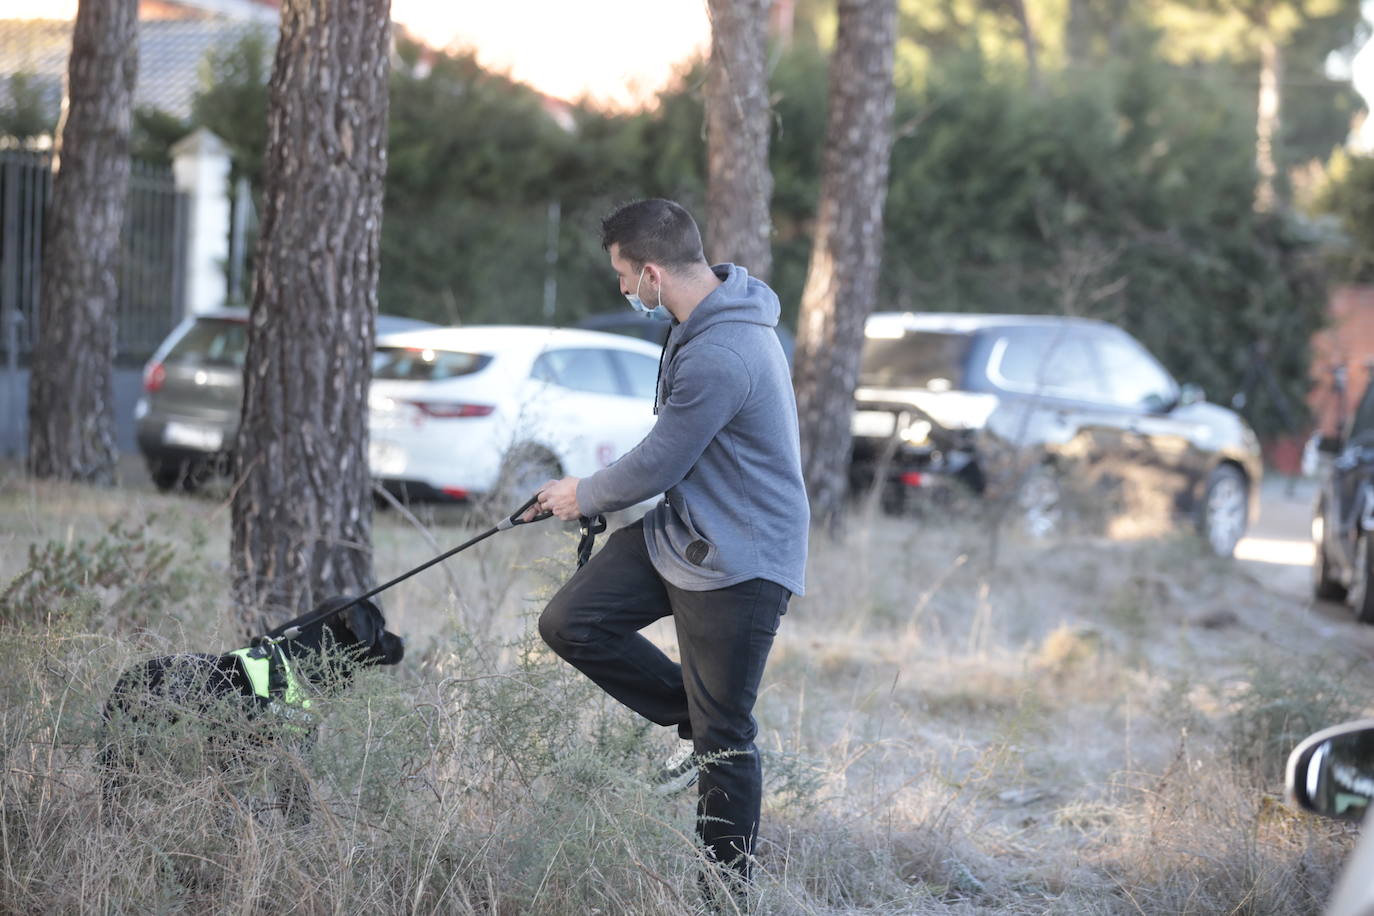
<point>1279,705</point>
<point>127,573</point>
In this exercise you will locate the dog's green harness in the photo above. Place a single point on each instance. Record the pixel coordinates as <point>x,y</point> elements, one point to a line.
<point>274,680</point>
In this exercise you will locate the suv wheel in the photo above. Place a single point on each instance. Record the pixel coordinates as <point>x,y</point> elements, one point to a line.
<point>1324,584</point>
<point>177,475</point>
<point>1040,502</point>
<point>1225,510</point>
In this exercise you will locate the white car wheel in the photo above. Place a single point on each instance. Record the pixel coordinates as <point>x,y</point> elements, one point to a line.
<point>1225,510</point>
<point>1040,503</point>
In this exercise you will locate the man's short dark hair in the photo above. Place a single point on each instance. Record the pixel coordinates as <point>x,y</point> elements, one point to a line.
<point>653,230</point>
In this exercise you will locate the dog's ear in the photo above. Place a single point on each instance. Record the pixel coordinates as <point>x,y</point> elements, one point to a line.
<point>364,620</point>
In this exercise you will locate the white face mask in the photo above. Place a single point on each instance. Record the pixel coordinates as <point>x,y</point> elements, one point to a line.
<point>638,305</point>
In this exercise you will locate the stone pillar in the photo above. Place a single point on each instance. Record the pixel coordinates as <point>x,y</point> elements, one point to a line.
<point>200,164</point>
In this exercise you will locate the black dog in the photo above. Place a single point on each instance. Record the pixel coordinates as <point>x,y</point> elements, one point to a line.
<point>248,697</point>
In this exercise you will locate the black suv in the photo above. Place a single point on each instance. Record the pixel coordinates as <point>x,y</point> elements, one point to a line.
<point>1018,405</point>
<point>1343,518</point>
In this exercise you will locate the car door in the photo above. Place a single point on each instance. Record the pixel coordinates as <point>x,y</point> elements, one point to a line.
<point>591,420</point>
<point>1163,450</point>
<point>1057,407</point>
<point>639,378</point>
<point>1350,489</point>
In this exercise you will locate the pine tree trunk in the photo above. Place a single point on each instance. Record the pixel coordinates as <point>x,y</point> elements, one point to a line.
<point>71,387</point>
<point>740,185</point>
<point>302,508</point>
<point>842,280</point>
<point>1267,122</point>
<point>1028,41</point>
<point>1077,32</point>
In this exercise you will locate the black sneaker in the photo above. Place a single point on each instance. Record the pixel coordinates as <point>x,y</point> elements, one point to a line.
<point>679,770</point>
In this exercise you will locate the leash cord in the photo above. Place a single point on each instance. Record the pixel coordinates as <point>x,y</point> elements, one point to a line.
<point>591,527</point>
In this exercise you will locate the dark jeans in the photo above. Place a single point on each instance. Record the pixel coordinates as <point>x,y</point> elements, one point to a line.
<point>724,636</point>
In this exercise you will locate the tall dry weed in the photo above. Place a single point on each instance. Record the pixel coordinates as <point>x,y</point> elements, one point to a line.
<point>949,725</point>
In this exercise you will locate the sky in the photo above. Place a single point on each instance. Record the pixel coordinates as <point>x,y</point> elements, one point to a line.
<point>615,51</point>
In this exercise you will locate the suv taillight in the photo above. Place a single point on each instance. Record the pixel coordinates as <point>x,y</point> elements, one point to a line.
<point>153,377</point>
<point>446,410</point>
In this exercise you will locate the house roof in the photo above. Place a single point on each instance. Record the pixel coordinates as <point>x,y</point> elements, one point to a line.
<point>170,54</point>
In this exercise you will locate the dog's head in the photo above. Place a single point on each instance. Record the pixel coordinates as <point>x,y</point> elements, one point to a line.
<point>362,630</point>
<point>358,633</point>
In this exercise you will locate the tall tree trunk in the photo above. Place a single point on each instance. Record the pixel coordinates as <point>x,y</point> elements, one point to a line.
<point>1268,121</point>
<point>1023,22</point>
<point>71,388</point>
<point>740,184</point>
<point>1077,32</point>
<point>302,508</point>
<point>842,280</point>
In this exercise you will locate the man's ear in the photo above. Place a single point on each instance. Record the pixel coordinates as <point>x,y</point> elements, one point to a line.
<point>655,274</point>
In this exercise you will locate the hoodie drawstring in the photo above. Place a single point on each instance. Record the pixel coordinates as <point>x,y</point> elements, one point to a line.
<point>658,379</point>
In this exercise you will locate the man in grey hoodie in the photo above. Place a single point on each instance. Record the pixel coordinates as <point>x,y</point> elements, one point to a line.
<point>724,550</point>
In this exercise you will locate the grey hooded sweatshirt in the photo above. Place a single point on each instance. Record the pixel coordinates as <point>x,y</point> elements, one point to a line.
<point>724,452</point>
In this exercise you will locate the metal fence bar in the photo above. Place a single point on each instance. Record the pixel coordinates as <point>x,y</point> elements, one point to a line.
<point>150,272</point>
<point>13,418</point>
<point>149,302</point>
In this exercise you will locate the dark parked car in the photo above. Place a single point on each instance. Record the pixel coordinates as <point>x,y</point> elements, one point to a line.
<point>1016,405</point>
<point>188,414</point>
<point>1343,518</point>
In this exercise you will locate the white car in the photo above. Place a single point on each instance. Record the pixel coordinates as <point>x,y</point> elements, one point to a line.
<point>460,413</point>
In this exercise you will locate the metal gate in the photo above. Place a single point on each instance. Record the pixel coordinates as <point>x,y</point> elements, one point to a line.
<point>151,282</point>
<point>151,257</point>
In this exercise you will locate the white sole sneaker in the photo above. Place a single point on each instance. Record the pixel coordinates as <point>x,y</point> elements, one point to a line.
<point>679,771</point>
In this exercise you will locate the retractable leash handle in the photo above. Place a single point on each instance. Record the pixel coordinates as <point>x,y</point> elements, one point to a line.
<point>591,527</point>
<point>514,518</point>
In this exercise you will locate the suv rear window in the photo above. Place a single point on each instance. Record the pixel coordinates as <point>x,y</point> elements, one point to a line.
<point>913,360</point>
<point>211,342</point>
<point>421,364</point>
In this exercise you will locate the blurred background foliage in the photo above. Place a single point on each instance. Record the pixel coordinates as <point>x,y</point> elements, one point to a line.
<point>1093,157</point>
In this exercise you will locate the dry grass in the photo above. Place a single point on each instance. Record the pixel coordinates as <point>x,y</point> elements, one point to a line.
<point>1087,726</point>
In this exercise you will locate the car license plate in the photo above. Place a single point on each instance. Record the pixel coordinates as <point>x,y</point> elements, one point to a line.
<point>873,424</point>
<point>385,459</point>
<point>187,435</point>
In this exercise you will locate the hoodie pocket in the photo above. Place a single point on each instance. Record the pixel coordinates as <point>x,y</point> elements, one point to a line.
<point>686,541</point>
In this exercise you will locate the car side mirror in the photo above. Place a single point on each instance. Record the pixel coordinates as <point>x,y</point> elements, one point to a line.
<point>1331,773</point>
<point>1191,394</point>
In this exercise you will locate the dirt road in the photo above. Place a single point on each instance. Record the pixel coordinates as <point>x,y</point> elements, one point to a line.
<point>1278,555</point>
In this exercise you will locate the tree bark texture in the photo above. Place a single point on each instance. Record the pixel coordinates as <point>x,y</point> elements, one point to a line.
<point>841,281</point>
<point>1028,41</point>
<point>739,183</point>
<point>1267,122</point>
<point>71,388</point>
<point>302,507</point>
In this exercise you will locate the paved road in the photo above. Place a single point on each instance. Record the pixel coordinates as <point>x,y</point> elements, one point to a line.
<point>1278,551</point>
